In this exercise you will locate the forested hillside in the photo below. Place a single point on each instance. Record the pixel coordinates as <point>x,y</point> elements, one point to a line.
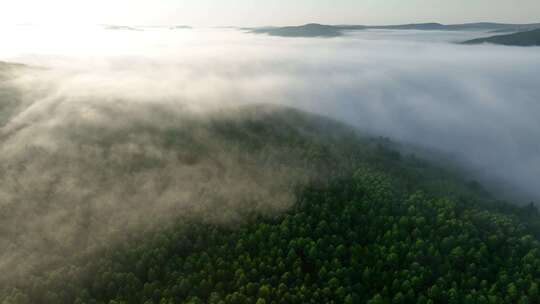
<point>368,225</point>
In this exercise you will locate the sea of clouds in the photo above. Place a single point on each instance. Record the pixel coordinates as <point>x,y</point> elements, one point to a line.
<point>481,104</point>
<point>478,104</point>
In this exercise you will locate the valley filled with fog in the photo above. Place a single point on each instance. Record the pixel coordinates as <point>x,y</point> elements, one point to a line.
<point>476,104</point>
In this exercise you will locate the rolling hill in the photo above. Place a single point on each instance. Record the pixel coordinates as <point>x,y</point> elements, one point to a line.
<point>181,27</point>
<point>320,30</point>
<point>528,38</point>
<point>308,30</point>
<point>121,28</point>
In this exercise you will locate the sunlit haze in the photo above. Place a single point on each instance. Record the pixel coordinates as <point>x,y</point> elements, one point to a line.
<point>272,12</point>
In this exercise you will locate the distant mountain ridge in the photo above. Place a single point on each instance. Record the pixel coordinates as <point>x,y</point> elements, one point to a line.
<point>307,30</point>
<point>527,38</point>
<point>322,30</point>
<point>121,28</point>
<point>181,27</point>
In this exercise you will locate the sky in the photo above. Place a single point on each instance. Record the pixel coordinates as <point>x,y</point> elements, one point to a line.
<point>267,12</point>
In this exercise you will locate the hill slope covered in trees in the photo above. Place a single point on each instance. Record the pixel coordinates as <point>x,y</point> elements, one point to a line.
<point>367,225</point>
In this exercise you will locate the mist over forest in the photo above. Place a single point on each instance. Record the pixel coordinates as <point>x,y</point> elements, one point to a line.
<point>107,135</point>
<point>474,103</point>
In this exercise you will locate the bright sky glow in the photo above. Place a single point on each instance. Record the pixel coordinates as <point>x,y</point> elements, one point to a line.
<point>268,12</point>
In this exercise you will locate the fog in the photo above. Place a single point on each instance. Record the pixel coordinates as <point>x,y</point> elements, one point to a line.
<point>478,104</point>
<point>86,86</point>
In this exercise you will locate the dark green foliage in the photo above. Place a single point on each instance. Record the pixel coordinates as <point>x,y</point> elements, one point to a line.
<point>355,240</point>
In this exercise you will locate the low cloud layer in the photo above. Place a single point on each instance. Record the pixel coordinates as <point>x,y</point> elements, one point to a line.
<point>479,104</point>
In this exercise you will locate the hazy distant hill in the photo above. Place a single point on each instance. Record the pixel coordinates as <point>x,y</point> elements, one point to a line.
<point>518,28</point>
<point>413,26</point>
<point>308,30</point>
<point>490,26</point>
<point>321,30</point>
<point>181,27</point>
<point>528,38</point>
<point>121,28</point>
